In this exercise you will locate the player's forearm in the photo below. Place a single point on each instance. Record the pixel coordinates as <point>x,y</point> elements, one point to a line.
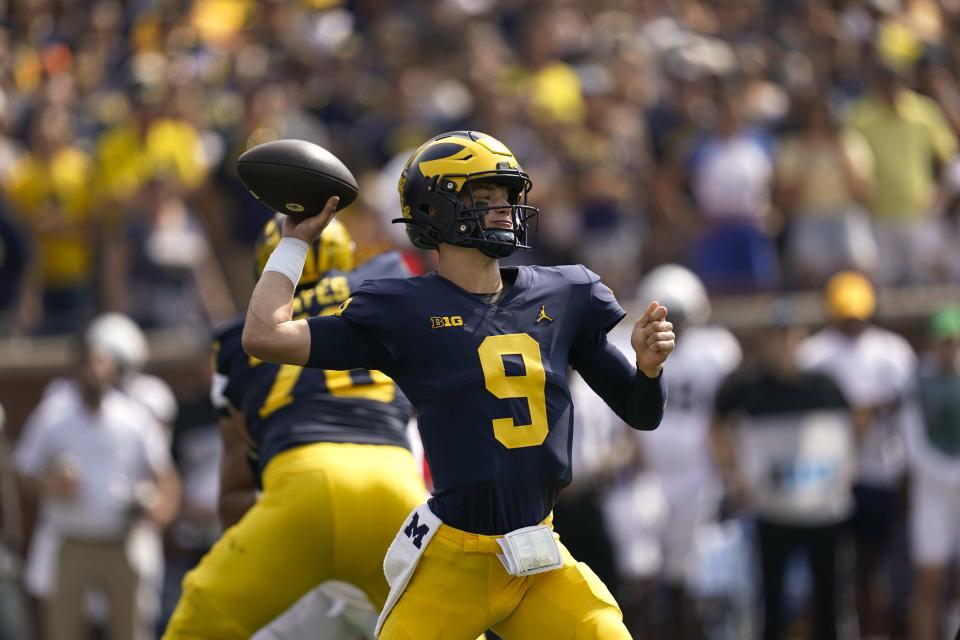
<point>642,402</point>
<point>270,306</point>
<point>636,398</point>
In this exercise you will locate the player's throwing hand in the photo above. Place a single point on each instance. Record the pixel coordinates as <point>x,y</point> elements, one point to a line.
<point>308,229</point>
<point>652,339</point>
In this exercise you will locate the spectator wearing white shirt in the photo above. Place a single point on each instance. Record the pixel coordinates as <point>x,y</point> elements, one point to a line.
<point>119,336</point>
<point>933,452</point>
<point>730,175</point>
<point>99,463</point>
<point>875,369</point>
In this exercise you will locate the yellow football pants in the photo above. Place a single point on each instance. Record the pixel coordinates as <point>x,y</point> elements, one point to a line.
<point>460,588</point>
<point>328,512</point>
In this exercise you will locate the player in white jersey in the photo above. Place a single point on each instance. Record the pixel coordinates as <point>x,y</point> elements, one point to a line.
<point>677,455</point>
<point>875,369</point>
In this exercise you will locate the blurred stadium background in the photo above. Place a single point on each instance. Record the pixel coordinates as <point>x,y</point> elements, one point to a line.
<point>749,140</point>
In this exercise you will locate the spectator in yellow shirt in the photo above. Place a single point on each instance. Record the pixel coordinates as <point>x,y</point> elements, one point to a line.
<point>50,188</point>
<point>911,140</point>
<point>151,144</point>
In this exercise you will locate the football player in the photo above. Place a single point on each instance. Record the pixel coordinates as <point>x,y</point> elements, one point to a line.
<point>678,453</point>
<point>876,369</point>
<point>338,477</point>
<point>482,352</point>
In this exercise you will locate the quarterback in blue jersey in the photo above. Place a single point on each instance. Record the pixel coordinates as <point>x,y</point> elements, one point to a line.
<point>337,474</point>
<point>482,352</point>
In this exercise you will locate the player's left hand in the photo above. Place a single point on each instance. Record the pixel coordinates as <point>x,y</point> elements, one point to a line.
<point>652,339</point>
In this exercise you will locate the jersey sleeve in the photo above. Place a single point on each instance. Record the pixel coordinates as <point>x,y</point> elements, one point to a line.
<point>356,337</point>
<point>635,398</point>
<point>602,311</point>
<point>218,397</point>
<point>226,350</point>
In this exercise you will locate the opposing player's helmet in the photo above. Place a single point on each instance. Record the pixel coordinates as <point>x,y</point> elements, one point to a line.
<point>436,194</point>
<point>679,290</point>
<point>120,337</point>
<point>334,249</point>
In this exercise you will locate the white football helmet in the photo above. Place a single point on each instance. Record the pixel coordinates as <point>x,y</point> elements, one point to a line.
<point>679,290</point>
<point>120,337</point>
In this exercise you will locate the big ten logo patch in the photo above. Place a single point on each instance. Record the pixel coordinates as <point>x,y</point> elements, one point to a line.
<point>439,322</point>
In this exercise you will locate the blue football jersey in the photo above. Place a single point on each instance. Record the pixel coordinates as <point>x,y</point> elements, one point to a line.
<point>489,381</point>
<point>286,406</point>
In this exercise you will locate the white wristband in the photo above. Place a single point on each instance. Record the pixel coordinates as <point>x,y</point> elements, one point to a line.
<point>288,258</point>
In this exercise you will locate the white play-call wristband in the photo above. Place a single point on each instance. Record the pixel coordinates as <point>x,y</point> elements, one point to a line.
<point>288,258</point>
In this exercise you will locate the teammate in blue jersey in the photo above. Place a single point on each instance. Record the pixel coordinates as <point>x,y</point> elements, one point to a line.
<point>482,352</point>
<point>337,474</point>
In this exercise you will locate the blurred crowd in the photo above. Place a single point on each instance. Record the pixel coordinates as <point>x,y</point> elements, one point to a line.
<point>763,145</point>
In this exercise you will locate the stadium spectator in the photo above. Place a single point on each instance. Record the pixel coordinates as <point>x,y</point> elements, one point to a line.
<point>153,143</point>
<point>823,180</point>
<point>730,175</point>
<point>934,455</point>
<point>784,441</point>
<point>99,464</point>
<point>163,272</point>
<point>50,188</point>
<point>911,142</point>
<point>18,304</point>
<point>875,369</point>
<point>121,338</point>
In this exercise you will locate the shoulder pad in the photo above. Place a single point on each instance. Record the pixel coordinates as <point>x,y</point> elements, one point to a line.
<point>578,274</point>
<point>572,273</point>
<point>386,286</point>
<point>384,265</point>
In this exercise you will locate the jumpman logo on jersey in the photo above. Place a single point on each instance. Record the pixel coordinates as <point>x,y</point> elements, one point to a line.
<point>543,314</point>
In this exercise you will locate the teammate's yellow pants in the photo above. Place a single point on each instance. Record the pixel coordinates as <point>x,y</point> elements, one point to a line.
<point>328,512</point>
<point>460,588</point>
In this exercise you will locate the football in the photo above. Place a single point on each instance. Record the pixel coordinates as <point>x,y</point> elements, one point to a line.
<point>296,177</point>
